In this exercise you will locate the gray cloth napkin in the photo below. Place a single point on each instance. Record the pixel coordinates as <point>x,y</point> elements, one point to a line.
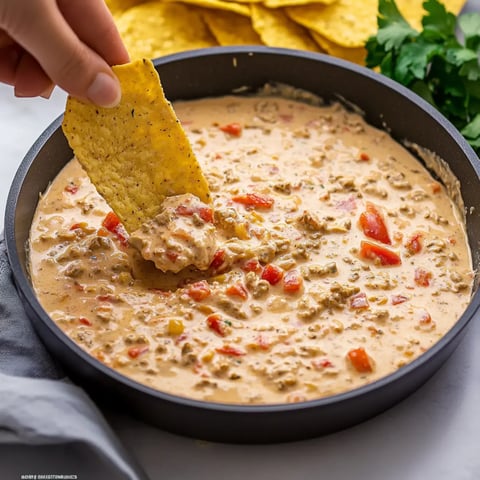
<point>48,426</point>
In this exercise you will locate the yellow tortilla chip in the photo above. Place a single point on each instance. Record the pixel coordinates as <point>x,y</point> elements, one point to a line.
<point>355,54</point>
<point>277,30</point>
<point>348,23</point>
<point>413,10</point>
<point>119,6</point>
<point>137,153</point>
<point>230,28</point>
<point>292,3</point>
<point>217,5</point>
<point>155,29</point>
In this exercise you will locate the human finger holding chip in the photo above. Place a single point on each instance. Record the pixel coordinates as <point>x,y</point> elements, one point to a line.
<point>70,43</point>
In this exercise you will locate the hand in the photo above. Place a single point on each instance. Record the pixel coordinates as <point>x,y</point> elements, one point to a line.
<point>70,43</point>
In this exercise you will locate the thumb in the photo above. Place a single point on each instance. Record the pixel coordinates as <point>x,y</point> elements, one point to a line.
<point>45,34</point>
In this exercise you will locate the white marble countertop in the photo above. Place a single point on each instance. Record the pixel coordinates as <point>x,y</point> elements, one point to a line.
<point>433,434</point>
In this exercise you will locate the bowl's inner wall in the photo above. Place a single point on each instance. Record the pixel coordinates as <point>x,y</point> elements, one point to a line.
<point>223,72</point>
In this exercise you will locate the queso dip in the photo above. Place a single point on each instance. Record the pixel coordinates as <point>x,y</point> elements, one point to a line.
<point>328,258</point>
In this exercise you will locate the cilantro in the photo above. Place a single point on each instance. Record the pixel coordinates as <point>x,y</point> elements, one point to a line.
<point>440,63</point>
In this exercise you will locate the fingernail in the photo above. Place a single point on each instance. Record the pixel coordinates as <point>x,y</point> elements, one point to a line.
<point>104,91</point>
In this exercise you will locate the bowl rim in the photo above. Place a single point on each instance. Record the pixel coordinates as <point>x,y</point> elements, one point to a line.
<point>24,286</point>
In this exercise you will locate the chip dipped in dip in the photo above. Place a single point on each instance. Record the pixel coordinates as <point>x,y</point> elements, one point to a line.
<point>337,259</point>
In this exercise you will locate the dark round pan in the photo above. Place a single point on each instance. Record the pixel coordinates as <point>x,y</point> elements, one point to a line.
<point>219,71</point>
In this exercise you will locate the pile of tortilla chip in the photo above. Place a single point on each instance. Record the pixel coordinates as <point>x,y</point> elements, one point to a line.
<point>337,27</point>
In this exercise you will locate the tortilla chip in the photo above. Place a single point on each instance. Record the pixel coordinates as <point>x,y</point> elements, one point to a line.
<point>155,29</point>
<point>355,54</point>
<point>230,28</point>
<point>277,30</point>
<point>137,153</point>
<point>217,5</point>
<point>413,10</point>
<point>348,23</point>
<point>292,3</point>
<point>118,6</point>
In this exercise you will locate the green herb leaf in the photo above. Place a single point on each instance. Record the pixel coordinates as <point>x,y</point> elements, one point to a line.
<point>434,63</point>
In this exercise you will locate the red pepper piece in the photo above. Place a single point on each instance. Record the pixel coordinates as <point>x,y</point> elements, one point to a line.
<point>252,265</point>
<point>205,213</point>
<point>371,251</point>
<point>229,350</point>
<point>414,243</point>
<point>234,129</point>
<point>217,324</point>
<point>422,277</point>
<point>237,290</point>
<point>134,352</point>
<point>254,200</point>
<point>359,301</point>
<point>272,274</point>
<point>292,281</point>
<point>85,321</point>
<point>218,259</point>
<point>112,223</point>
<point>199,290</point>
<point>373,225</point>
<point>360,360</point>
<point>397,299</point>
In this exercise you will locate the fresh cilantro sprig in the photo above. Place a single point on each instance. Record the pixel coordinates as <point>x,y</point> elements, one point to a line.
<point>440,62</point>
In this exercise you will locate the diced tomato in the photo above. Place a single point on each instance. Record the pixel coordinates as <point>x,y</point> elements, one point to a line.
<point>397,299</point>
<point>199,290</point>
<point>234,129</point>
<point>359,301</point>
<point>360,360</point>
<point>218,259</point>
<point>71,188</point>
<point>364,156</point>
<point>252,265</point>
<point>292,281</point>
<point>229,350</point>
<point>373,226</point>
<point>237,290</point>
<point>371,251</point>
<point>85,321</point>
<point>272,274</point>
<point>322,363</point>
<point>205,213</point>
<point>217,324</point>
<point>436,187</point>
<point>112,223</point>
<point>422,277</point>
<point>414,243</point>
<point>254,200</point>
<point>134,352</point>
<point>425,318</point>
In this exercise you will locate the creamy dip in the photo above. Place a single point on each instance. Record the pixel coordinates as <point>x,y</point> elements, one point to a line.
<point>334,258</point>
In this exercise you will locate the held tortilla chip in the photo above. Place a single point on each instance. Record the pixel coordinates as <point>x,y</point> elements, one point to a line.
<point>137,153</point>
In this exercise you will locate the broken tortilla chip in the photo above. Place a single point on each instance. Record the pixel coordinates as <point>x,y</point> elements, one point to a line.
<point>137,153</point>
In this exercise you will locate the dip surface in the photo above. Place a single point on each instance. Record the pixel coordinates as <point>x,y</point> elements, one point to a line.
<point>337,260</point>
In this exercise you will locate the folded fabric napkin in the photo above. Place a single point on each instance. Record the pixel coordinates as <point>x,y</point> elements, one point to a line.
<point>40,408</point>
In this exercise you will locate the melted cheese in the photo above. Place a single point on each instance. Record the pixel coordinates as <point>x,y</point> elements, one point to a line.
<point>338,260</point>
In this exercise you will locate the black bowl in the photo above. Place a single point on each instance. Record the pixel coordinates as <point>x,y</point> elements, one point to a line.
<point>220,71</point>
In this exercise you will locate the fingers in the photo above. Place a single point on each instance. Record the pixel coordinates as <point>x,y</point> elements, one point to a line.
<point>78,67</point>
<point>30,79</point>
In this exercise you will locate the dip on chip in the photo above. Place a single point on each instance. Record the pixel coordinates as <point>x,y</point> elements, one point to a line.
<point>137,153</point>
